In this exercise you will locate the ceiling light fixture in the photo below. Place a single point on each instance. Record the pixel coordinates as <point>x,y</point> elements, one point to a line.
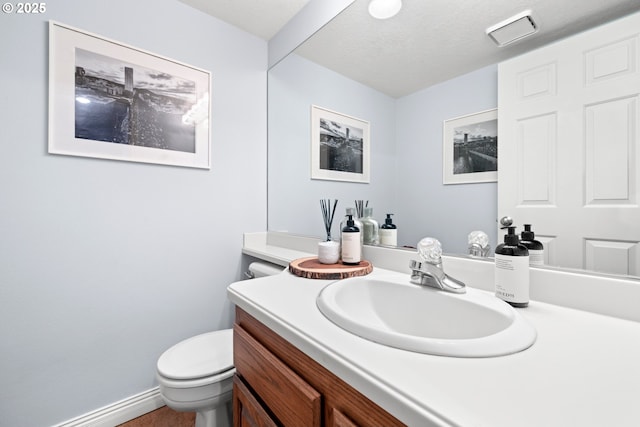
<point>384,9</point>
<point>513,29</point>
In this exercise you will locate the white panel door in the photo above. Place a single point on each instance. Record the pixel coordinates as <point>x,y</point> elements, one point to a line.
<point>569,147</point>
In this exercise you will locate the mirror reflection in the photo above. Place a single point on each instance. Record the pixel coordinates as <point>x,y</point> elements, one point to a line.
<point>405,97</point>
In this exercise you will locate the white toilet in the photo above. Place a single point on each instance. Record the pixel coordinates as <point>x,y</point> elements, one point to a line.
<point>196,375</point>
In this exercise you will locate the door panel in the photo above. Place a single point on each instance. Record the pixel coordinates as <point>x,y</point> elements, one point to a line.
<point>568,124</point>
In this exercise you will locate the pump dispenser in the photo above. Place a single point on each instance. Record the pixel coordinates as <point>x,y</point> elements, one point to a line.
<point>536,248</point>
<point>351,250</point>
<point>356,222</point>
<point>512,270</point>
<point>388,232</point>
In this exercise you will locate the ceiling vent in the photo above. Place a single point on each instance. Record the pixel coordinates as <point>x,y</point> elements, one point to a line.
<point>513,29</point>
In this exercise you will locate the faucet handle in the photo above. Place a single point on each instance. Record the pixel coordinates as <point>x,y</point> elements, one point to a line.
<point>429,272</point>
<point>479,244</point>
<point>430,250</point>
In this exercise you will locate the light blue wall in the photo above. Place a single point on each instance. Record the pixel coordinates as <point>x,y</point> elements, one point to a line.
<point>406,159</point>
<point>427,207</point>
<point>294,85</point>
<point>105,264</point>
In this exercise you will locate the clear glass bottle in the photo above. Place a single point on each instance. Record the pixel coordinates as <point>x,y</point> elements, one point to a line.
<point>369,228</point>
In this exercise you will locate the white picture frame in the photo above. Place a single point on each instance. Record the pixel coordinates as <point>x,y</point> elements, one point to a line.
<point>340,146</point>
<point>109,100</point>
<point>474,158</point>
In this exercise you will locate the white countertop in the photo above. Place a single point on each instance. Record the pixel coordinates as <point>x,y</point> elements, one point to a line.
<point>583,370</point>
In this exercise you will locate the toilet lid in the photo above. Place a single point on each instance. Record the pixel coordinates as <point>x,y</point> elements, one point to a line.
<point>200,356</point>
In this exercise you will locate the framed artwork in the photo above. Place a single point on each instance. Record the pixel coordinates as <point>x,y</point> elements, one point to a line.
<point>340,146</point>
<point>470,148</point>
<point>112,101</point>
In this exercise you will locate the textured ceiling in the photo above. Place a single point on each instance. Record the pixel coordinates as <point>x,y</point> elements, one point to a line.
<point>432,41</point>
<point>426,43</point>
<point>264,18</point>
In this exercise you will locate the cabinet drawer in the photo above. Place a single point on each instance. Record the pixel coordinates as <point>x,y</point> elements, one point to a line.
<point>341,420</point>
<point>290,399</point>
<point>247,411</point>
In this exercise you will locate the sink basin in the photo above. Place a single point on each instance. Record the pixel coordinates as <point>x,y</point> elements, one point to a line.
<point>394,312</point>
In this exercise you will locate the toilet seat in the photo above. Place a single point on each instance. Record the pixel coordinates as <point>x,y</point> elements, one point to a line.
<point>200,357</point>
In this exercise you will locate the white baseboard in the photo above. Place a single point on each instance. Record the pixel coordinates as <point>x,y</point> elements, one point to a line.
<point>119,412</point>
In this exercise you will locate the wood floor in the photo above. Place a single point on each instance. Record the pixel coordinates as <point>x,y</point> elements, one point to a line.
<point>163,417</point>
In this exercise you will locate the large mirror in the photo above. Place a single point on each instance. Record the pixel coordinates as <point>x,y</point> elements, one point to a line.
<point>405,76</point>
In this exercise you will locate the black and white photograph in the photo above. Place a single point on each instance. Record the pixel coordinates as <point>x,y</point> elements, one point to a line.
<point>340,146</point>
<point>127,103</point>
<point>112,101</point>
<point>475,148</point>
<point>470,148</point>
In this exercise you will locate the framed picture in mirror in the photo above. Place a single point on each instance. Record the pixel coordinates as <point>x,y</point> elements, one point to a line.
<point>109,100</point>
<point>340,146</point>
<point>470,148</point>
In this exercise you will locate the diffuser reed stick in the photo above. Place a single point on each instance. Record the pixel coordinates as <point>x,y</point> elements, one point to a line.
<point>360,205</point>
<point>328,214</point>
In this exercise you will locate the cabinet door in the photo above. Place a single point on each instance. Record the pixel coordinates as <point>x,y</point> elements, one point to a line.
<point>293,402</point>
<point>247,411</point>
<point>319,394</point>
<point>338,419</point>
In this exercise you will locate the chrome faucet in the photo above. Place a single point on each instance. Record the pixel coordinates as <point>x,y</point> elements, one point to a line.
<point>429,272</point>
<point>479,244</point>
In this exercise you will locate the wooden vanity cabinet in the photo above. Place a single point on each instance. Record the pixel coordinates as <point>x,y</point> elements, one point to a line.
<point>247,411</point>
<point>278,385</point>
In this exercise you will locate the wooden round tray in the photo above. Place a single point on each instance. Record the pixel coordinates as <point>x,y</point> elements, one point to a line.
<point>311,268</point>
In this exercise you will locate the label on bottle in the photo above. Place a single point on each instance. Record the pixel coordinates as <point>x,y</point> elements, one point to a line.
<point>536,257</point>
<point>388,236</point>
<point>351,248</point>
<point>512,278</point>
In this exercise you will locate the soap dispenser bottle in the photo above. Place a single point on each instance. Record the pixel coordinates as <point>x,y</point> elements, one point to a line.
<point>369,228</point>
<point>512,270</point>
<point>351,251</point>
<point>356,222</point>
<point>388,232</point>
<point>536,248</point>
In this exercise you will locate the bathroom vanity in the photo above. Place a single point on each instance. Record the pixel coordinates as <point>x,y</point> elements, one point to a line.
<point>291,386</point>
<point>295,367</point>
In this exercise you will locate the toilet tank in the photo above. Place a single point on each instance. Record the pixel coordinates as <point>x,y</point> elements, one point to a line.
<point>262,269</point>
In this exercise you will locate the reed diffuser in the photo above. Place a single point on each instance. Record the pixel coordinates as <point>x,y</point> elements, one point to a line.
<point>327,215</point>
<point>328,251</point>
<point>360,205</point>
